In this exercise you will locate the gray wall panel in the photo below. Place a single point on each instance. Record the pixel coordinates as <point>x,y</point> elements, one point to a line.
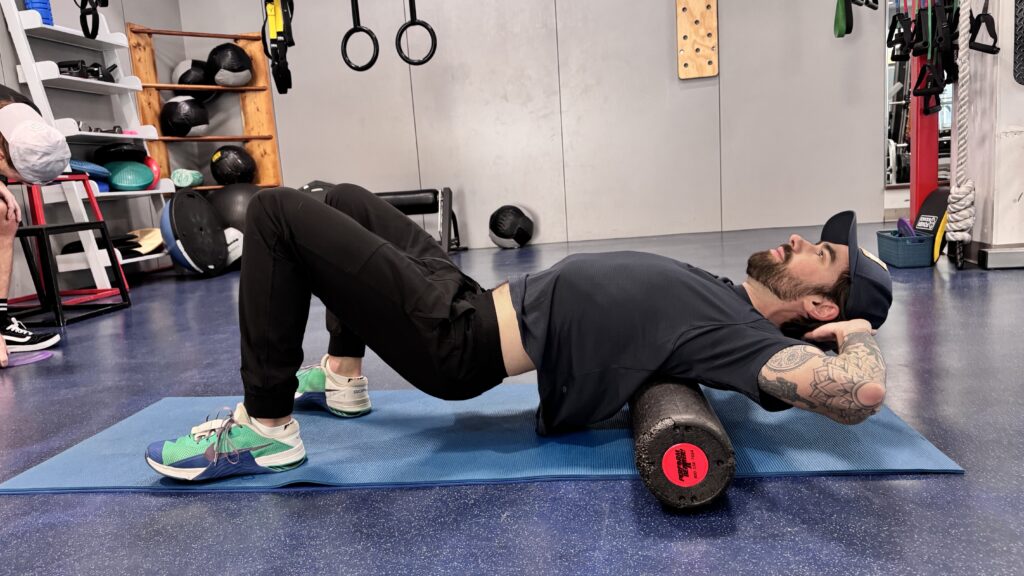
<point>801,113</point>
<point>335,124</point>
<point>641,146</point>
<point>803,122</point>
<point>487,112</point>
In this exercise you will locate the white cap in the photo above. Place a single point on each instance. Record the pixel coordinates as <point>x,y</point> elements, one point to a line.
<point>39,152</point>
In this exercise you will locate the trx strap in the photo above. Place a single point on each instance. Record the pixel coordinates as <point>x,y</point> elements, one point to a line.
<point>989,22</point>
<point>901,37</point>
<point>277,37</point>
<point>930,86</point>
<point>922,35</point>
<point>931,79</point>
<point>945,41</point>
<point>943,33</point>
<point>89,17</point>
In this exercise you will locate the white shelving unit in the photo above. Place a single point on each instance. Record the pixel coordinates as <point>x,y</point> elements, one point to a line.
<point>53,195</point>
<point>69,128</point>
<point>49,74</point>
<point>42,75</point>
<point>166,187</point>
<point>32,24</point>
<point>78,261</point>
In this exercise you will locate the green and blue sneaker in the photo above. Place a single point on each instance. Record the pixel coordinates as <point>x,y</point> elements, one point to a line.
<point>230,446</point>
<point>341,396</point>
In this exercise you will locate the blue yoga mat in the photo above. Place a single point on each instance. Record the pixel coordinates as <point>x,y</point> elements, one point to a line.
<point>411,439</point>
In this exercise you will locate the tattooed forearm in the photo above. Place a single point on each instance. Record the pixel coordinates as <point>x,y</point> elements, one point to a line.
<point>785,390</point>
<point>847,388</point>
<point>792,357</point>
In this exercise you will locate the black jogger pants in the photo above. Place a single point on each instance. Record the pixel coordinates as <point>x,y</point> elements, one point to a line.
<point>386,284</point>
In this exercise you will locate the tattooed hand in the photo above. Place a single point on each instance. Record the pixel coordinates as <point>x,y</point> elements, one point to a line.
<point>847,388</point>
<point>837,330</point>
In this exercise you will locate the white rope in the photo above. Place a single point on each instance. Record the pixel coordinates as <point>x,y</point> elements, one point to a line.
<point>961,198</point>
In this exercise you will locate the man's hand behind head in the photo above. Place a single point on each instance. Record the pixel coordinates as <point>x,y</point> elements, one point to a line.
<point>837,331</point>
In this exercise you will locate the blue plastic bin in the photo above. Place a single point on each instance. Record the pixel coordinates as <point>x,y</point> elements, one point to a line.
<point>43,7</point>
<point>905,251</point>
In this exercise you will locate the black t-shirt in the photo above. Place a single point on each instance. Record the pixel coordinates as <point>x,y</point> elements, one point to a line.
<point>600,326</point>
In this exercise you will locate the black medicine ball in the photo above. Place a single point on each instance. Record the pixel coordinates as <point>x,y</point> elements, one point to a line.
<point>231,202</point>
<point>193,72</point>
<point>232,164</point>
<point>511,227</point>
<point>229,65</point>
<point>184,116</point>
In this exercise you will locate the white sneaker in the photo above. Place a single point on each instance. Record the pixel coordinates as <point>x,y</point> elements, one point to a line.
<point>341,396</point>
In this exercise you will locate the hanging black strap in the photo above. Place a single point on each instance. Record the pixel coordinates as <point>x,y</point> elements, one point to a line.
<point>943,34</point>
<point>930,85</point>
<point>989,22</point>
<point>276,41</point>
<point>282,74</point>
<point>945,41</point>
<point>929,80</point>
<point>901,37</point>
<point>922,36</point>
<point>89,16</point>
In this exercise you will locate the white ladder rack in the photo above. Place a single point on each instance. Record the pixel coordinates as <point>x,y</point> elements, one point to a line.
<point>45,74</point>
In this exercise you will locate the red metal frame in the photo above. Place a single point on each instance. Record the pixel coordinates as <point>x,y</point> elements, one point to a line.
<point>38,216</point>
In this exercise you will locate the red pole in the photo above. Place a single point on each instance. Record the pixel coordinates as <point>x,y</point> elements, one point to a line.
<point>924,145</point>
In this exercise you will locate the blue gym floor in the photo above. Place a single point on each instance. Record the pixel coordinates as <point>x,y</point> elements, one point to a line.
<point>954,353</point>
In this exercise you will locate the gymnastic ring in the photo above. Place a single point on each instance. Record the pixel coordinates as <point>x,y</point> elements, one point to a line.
<point>433,42</point>
<point>344,48</point>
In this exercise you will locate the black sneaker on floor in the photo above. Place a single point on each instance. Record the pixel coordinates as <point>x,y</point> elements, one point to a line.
<point>20,339</point>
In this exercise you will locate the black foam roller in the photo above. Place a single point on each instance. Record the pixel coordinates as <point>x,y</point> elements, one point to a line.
<point>682,452</point>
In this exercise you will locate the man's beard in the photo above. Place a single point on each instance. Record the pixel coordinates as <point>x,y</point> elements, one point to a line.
<point>763,268</point>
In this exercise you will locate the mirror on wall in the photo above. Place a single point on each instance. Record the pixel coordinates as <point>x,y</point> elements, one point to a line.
<point>898,95</point>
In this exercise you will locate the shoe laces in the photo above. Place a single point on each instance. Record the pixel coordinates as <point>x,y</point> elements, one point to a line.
<point>17,326</point>
<point>221,428</point>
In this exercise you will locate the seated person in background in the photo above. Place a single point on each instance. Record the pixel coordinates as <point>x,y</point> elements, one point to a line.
<point>596,327</point>
<point>34,152</point>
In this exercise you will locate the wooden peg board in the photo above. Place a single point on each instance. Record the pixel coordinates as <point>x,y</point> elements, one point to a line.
<point>697,37</point>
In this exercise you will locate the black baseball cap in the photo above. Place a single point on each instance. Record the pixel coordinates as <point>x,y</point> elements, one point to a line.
<point>870,284</point>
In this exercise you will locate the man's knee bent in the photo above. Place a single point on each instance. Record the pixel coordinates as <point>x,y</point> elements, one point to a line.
<point>344,197</point>
<point>268,203</point>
